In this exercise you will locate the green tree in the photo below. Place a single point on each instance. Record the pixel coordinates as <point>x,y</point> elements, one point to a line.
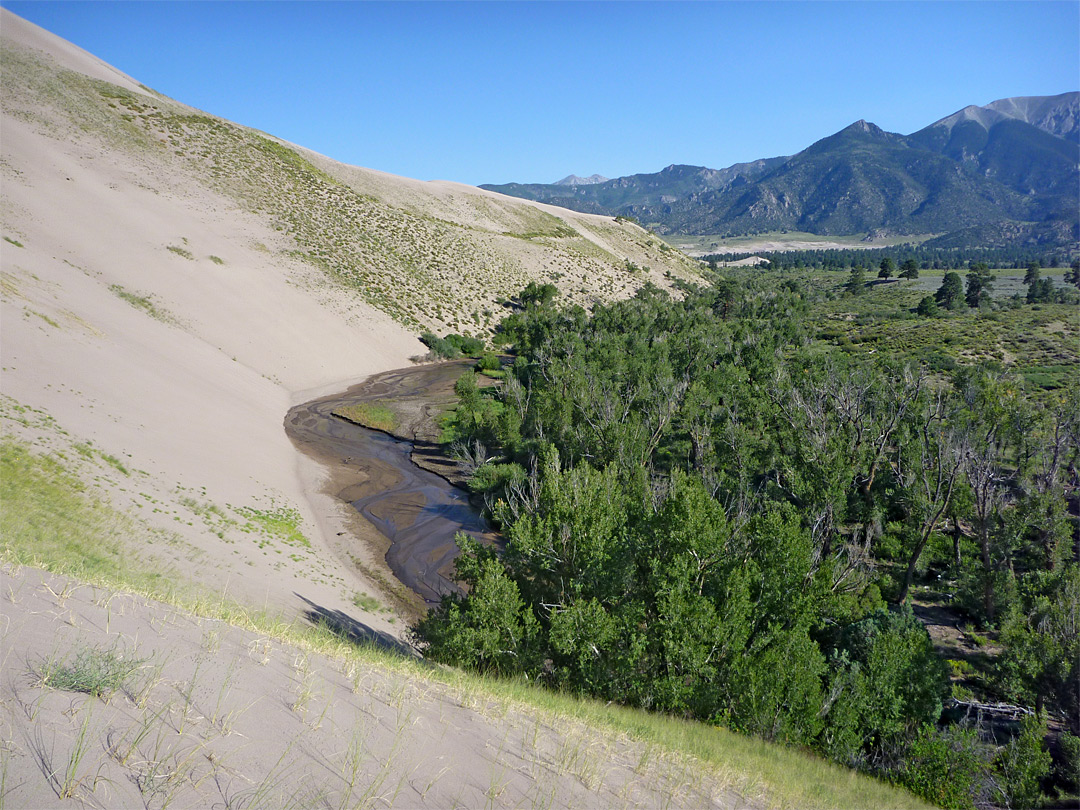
<point>927,466</point>
<point>489,361</point>
<point>887,268</point>
<point>1041,661</point>
<point>979,284</point>
<point>1072,276</point>
<point>909,268</point>
<point>1024,763</point>
<point>1040,291</point>
<point>538,295</point>
<point>989,427</point>
<point>947,767</point>
<point>950,294</point>
<point>927,307</point>
<point>856,281</point>
<point>491,629</point>
<point>891,680</point>
<point>1032,273</point>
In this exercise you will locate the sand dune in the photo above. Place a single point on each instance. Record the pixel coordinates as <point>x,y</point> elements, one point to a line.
<point>180,365</point>
<point>173,283</point>
<point>205,714</point>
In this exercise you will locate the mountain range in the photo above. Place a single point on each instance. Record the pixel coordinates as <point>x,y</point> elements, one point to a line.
<point>1005,173</point>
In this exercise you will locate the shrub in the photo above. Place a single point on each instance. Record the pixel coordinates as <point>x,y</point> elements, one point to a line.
<point>440,347</point>
<point>1024,763</point>
<point>489,361</point>
<point>490,477</point>
<point>1068,771</point>
<point>927,307</point>
<point>949,768</point>
<point>469,346</point>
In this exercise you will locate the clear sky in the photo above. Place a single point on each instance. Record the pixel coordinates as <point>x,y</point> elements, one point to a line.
<point>494,92</point>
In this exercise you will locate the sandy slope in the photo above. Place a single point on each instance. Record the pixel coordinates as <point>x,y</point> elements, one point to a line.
<point>156,302</point>
<point>182,368</point>
<point>211,715</point>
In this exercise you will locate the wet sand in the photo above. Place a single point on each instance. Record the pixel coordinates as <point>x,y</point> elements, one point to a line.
<point>417,511</point>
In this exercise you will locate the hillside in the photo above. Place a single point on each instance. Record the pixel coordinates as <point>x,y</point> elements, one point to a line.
<point>1007,172</point>
<point>172,282</point>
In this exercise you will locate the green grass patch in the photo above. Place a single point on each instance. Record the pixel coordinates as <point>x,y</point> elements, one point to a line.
<point>182,252</point>
<point>94,671</point>
<point>27,311</point>
<point>143,302</point>
<point>14,242</point>
<point>369,415</point>
<point>368,603</point>
<point>282,523</point>
<point>49,520</point>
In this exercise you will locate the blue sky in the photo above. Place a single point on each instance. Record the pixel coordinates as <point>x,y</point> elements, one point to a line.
<point>494,92</point>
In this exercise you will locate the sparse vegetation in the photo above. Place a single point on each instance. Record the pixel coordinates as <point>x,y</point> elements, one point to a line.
<point>368,603</point>
<point>182,252</point>
<point>418,261</point>
<point>97,672</point>
<point>143,302</point>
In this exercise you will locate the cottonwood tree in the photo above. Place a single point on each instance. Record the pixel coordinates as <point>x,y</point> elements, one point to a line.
<point>928,467</point>
<point>987,428</point>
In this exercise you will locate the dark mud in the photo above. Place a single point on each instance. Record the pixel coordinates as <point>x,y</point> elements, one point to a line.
<point>417,511</point>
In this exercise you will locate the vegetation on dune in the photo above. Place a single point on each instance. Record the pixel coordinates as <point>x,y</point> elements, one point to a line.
<point>424,270</point>
<point>713,510</point>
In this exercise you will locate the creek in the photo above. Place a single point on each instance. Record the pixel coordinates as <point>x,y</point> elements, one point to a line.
<point>417,511</point>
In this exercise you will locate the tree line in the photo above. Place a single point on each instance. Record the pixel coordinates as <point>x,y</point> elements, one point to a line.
<point>926,258</point>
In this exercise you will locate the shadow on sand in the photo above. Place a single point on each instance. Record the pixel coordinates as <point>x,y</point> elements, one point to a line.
<point>346,626</point>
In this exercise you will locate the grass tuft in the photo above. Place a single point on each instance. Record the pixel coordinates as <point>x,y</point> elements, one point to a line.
<point>95,671</point>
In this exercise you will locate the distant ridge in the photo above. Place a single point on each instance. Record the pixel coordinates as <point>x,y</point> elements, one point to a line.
<point>574,180</point>
<point>1057,115</point>
<point>1004,173</point>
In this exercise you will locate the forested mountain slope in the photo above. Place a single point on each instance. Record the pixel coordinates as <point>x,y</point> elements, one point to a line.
<point>1007,172</point>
